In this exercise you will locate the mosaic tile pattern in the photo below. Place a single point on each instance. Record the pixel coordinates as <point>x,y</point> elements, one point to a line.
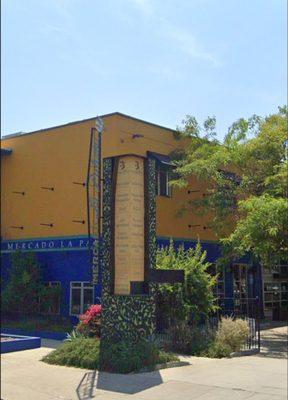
<point>107,228</point>
<point>151,222</point>
<point>126,317</point>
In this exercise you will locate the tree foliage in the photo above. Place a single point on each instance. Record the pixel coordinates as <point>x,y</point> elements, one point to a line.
<point>263,231</point>
<point>246,177</point>
<point>194,297</point>
<point>25,293</point>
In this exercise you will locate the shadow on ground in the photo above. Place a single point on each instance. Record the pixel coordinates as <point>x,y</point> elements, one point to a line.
<point>268,325</point>
<point>274,344</point>
<point>120,383</point>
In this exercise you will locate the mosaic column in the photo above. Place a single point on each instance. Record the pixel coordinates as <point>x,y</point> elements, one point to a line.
<point>129,248</point>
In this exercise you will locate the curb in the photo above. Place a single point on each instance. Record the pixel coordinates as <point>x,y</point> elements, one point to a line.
<point>157,367</point>
<point>20,343</point>
<point>245,353</point>
<point>41,334</point>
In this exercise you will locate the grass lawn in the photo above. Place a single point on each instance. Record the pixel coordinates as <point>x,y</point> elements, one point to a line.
<point>120,357</point>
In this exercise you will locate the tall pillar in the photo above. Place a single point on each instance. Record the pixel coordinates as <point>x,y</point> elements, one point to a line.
<point>129,248</point>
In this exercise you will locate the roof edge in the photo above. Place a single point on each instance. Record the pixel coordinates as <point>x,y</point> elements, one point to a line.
<point>12,136</point>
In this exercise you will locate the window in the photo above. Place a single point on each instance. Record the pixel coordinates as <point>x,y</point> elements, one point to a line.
<point>81,297</point>
<point>240,281</point>
<point>240,290</point>
<point>163,188</point>
<point>218,289</point>
<point>280,271</point>
<point>50,304</point>
<point>275,294</point>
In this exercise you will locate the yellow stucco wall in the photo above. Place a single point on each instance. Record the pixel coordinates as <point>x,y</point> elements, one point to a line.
<point>52,158</point>
<point>59,156</point>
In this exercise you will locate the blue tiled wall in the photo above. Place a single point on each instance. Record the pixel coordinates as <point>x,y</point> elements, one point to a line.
<point>74,265</point>
<point>62,266</point>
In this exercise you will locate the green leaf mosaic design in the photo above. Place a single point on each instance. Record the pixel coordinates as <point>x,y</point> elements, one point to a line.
<point>126,316</point>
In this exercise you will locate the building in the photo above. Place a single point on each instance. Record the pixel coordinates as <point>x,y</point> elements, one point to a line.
<point>44,206</point>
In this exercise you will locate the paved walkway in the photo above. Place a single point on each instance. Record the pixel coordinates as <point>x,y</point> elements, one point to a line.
<point>274,342</point>
<point>258,377</point>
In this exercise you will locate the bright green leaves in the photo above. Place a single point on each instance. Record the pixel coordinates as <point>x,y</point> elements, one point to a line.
<point>250,210</point>
<point>195,296</point>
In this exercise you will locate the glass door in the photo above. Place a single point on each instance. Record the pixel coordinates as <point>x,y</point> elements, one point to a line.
<point>240,290</point>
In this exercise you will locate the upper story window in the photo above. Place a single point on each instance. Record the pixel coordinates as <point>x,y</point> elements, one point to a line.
<point>163,188</point>
<point>164,170</point>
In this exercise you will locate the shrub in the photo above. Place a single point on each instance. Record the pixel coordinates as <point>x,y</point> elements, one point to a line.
<point>204,341</point>
<point>194,298</point>
<point>25,292</point>
<point>125,357</point>
<point>82,353</point>
<point>230,336</point>
<point>74,335</point>
<point>90,322</point>
<point>185,339</point>
<point>232,332</point>
<point>217,350</point>
<point>117,357</point>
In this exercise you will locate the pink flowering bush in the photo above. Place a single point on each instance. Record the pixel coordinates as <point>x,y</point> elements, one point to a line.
<point>90,322</point>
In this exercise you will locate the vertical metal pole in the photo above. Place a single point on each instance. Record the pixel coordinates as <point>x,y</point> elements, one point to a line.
<point>94,200</point>
<point>99,184</point>
<point>87,194</point>
<point>99,202</point>
<point>258,321</point>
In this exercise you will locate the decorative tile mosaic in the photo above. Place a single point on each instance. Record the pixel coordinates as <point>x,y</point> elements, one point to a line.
<point>126,317</point>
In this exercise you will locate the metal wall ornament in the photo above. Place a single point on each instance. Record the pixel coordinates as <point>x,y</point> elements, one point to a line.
<point>93,191</point>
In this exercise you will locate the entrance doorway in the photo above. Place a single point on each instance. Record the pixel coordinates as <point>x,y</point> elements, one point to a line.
<point>240,287</point>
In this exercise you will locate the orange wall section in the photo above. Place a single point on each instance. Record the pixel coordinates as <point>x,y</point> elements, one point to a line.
<point>58,156</point>
<point>173,223</point>
<point>52,158</point>
<point>117,140</point>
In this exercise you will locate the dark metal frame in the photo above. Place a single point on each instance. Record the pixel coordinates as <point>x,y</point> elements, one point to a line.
<point>251,314</point>
<point>95,142</point>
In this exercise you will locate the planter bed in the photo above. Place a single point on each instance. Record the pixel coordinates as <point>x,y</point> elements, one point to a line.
<point>10,342</point>
<point>41,334</point>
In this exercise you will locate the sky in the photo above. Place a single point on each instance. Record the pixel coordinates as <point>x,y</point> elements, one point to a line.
<point>158,60</point>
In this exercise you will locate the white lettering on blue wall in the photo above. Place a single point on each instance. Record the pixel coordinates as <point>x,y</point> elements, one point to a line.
<point>46,245</point>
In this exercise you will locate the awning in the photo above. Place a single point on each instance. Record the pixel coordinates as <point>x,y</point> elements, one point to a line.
<point>161,158</point>
<point>6,152</point>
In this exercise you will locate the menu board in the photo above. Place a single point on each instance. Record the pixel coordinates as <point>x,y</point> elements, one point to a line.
<point>129,223</point>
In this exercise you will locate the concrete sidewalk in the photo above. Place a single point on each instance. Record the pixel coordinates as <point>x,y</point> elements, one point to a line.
<point>259,377</point>
<point>274,342</point>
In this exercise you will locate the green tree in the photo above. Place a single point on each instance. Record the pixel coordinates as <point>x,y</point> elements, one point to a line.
<point>263,231</point>
<point>25,292</point>
<point>195,296</point>
<point>246,178</point>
